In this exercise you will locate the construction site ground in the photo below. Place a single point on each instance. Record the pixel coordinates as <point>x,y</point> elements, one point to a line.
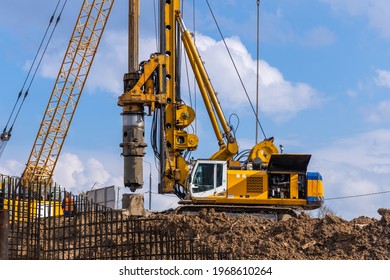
<point>289,238</point>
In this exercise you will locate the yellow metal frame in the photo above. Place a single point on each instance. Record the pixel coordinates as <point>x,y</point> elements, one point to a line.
<point>23,209</point>
<point>143,93</point>
<point>67,90</point>
<point>177,116</point>
<point>237,192</point>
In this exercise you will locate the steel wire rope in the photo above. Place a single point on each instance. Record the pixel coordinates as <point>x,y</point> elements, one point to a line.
<point>357,195</point>
<point>235,67</point>
<point>39,63</point>
<point>234,129</point>
<point>186,67</point>
<point>154,125</point>
<point>155,22</point>
<point>187,154</point>
<point>188,80</point>
<point>153,134</point>
<point>6,135</point>
<point>3,142</point>
<point>194,127</point>
<point>32,64</point>
<point>257,66</point>
<point>194,28</point>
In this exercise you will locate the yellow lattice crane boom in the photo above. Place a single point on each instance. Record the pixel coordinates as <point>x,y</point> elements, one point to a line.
<point>67,89</point>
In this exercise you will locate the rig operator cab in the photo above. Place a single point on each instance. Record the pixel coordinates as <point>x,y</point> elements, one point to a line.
<point>283,182</point>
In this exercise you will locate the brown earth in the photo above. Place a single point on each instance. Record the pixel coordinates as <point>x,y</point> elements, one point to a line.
<point>290,238</point>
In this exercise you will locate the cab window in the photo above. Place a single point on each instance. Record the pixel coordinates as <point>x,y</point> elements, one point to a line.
<point>204,177</point>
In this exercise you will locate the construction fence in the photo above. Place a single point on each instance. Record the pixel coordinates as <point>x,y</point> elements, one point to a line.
<point>45,222</point>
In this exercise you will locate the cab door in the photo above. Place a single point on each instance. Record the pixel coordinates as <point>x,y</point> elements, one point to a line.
<point>208,178</point>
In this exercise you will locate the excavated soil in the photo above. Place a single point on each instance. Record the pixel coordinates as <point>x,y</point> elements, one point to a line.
<point>290,238</point>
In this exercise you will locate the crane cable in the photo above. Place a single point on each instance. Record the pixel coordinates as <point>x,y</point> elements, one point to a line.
<point>235,67</point>
<point>155,22</point>
<point>6,134</point>
<point>187,70</point>
<point>257,67</point>
<point>356,195</point>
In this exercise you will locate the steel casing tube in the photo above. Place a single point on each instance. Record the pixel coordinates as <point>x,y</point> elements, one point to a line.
<point>133,148</point>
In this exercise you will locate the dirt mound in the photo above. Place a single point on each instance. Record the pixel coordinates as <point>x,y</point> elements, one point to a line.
<point>291,238</point>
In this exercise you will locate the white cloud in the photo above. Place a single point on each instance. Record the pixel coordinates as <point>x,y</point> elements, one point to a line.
<point>353,7</point>
<point>351,191</point>
<point>318,36</point>
<point>110,62</point>
<point>68,168</point>
<point>51,64</point>
<point>371,147</point>
<point>356,165</point>
<point>11,167</point>
<point>351,93</point>
<point>162,202</point>
<point>377,108</point>
<point>380,113</point>
<point>365,150</point>
<point>377,12</point>
<point>383,78</point>
<point>279,98</point>
<point>79,174</point>
<point>277,28</point>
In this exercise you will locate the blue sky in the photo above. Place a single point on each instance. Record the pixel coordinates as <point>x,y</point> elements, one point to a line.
<point>324,89</point>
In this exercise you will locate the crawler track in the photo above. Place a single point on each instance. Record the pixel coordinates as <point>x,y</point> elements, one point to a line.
<point>264,211</point>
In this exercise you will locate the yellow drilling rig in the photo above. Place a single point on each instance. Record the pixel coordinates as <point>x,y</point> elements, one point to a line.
<point>266,181</point>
